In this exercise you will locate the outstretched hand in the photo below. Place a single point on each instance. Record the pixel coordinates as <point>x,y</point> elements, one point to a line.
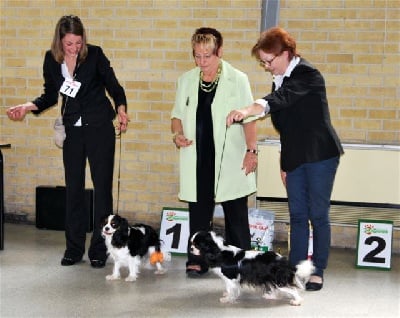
<point>235,116</point>
<point>17,112</point>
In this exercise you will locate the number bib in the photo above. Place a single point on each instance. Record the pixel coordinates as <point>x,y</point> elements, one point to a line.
<point>70,87</point>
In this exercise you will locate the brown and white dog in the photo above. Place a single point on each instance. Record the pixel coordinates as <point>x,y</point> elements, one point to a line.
<point>267,270</point>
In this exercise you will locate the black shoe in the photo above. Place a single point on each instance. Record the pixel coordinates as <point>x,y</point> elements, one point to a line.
<point>310,286</point>
<point>193,272</point>
<point>96,263</point>
<point>67,261</point>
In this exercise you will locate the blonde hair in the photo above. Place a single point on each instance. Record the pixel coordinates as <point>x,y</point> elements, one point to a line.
<point>208,37</point>
<point>68,24</point>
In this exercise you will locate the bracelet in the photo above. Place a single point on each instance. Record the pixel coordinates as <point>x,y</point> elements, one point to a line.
<point>255,151</point>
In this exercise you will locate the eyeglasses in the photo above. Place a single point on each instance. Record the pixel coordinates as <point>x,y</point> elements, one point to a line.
<point>269,62</point>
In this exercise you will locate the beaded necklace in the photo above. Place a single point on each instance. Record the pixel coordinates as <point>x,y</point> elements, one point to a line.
<point>209,87</point>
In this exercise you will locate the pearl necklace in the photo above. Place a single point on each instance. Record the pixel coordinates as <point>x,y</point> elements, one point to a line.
<point>209,87</point>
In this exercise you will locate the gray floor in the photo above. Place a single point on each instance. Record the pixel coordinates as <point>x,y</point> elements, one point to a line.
<point>33,284</point>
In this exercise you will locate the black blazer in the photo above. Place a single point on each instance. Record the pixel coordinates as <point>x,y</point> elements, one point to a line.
<point>299,112</point>
<point>91,103</point>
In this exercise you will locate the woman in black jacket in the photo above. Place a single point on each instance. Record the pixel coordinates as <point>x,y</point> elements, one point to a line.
<point>82,74</point>
<point>310,148</point>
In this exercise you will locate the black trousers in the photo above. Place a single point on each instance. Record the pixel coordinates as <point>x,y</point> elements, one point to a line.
<point>95,144</point>
<point>237,230</point>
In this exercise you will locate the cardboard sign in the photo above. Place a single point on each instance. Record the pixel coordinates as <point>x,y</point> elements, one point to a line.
<point>174,230</point>
<point>374,246</point>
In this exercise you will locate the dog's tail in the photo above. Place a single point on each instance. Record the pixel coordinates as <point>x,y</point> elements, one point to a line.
<point>303,272</point>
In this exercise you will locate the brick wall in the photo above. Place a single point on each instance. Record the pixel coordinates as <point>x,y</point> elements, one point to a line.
<point>354,43</point>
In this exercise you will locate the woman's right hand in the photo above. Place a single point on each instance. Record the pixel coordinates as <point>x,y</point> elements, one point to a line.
<point>18,112</point>
<point>181,141</point>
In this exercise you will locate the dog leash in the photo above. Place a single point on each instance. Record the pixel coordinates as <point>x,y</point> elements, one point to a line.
<point>220,164</point>
<point>119,136</point>
<point>222,156</point>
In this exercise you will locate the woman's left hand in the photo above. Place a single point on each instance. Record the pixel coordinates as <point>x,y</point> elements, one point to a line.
<point>250,163</point>
<point>283,177</point>
<point>123,119</point>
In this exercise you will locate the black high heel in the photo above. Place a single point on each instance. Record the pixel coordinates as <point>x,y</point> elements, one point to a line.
<point>313,286</point>
<point>97,263</point>
<point>195,271</point>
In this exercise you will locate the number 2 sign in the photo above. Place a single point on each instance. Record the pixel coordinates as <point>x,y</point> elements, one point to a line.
<point>374,247</point>
<point>174,230</point>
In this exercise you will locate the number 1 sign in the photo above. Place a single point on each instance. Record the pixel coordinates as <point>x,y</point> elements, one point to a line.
<point>174,230</point>
<point>374,246</point>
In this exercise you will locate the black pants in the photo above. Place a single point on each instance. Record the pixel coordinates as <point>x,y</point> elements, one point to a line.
<point>97,145</point>
<point>237,231</point>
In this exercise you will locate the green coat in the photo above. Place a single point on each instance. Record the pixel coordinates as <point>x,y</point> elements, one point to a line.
<point>233,92</point>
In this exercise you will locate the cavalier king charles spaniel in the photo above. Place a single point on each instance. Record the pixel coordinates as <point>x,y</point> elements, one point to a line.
<point>129,246</point>
<point>235,266</point>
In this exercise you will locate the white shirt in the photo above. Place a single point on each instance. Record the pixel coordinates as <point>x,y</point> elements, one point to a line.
<point>278,79</point>
<point>65,73</point>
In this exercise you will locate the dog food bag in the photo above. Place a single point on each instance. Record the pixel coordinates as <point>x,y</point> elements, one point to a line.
<point>261,224</point>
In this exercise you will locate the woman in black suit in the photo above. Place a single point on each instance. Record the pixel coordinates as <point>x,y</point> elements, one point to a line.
<point>82,74</point>
<point>310,147</point>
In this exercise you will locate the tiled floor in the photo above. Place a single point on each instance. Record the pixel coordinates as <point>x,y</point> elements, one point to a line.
<point>33,284</point>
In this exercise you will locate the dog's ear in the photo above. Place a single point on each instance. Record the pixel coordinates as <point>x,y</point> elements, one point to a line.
<point>213,257</point>
<point>120,236</point>
<point>210,257</point>
<point>124,226</point>
<point>211,251</point>
<point>204,242</point>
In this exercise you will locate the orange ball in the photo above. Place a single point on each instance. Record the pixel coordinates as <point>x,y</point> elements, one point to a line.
<point>156,257</point>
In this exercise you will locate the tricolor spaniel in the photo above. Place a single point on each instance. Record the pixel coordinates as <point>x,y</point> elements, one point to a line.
<point>130,245</point>
<point>235,266</point>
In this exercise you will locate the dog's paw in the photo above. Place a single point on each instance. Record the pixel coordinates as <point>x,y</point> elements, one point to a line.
<point>270,296</point>
<point>167,256</point>
<point>112,277</point>
<point>131,279</point>
<point>160,271</point>
<point>227,300</point>
<point>295,302</point>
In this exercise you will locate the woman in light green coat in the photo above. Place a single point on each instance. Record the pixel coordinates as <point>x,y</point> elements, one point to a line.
<point>217,163</point>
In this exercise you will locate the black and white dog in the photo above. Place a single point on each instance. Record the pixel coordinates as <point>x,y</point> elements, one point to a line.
<point>130,245</point>
<point>235,266</point>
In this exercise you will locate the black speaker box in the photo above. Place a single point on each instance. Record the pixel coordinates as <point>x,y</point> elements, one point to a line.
<point>50,208</point>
